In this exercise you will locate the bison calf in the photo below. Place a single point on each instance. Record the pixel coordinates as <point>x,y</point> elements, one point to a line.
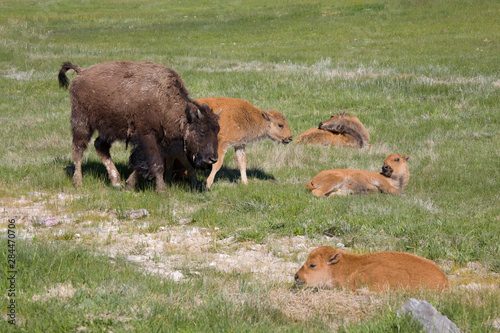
<point>339,130</point>
<point>393,179</point>
<point>145,103</point>
<point>240,124</point>
<point>328,267</point>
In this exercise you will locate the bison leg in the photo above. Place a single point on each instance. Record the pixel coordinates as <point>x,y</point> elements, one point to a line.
<point>169,166</point>
<point>131,181</point>
<point>81,137</point>
<point>216,167</point>
<point>102,148</point>
<point>156,162</point>
<point>319,192</point>
<point>242,163</point>
<point>77,158</point>
<point>385,187</point>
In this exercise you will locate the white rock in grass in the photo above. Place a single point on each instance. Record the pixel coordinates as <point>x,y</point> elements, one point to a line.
<point>430,319</point>
<point>176,276</point>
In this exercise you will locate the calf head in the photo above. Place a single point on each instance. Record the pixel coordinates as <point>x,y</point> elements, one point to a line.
<point>344,124</point>
<point>395,167</point>
<point>200,139</point>
<point>277,126</point>
<point>319,269</point>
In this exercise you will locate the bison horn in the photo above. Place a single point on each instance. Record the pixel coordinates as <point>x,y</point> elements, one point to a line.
<point>200,115</point>
<point>218,112</point>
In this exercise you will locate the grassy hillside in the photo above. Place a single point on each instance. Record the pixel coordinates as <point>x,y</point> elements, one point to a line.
<point>423,76</point>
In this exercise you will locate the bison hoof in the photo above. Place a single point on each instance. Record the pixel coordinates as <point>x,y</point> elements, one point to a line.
<point>117,186</point>
<point>161,189</point>
<point>77,182</point>
<point>129,187</point>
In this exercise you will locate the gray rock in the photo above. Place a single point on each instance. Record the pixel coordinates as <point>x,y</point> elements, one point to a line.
<point>430,319</point>
<point>137,214</point>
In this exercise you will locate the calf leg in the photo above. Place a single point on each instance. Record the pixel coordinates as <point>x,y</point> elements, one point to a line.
<point>102,148</point>
<point>242,163</point>
<point>216,167</point>
<point>385,187</point>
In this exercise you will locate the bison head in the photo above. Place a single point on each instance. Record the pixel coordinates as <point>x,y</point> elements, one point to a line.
<point>277,128</point>
<point>200,139</point>
<point>318,270</point>
<point>395,165</point>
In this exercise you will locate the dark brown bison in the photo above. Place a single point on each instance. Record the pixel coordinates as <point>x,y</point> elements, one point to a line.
<point>143,103</point>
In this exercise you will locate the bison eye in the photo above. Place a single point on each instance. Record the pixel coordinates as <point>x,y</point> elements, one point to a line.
<point>312,265</point>
<point>397,160</point>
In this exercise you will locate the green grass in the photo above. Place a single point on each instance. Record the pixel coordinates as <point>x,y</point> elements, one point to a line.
<point>423,77</point>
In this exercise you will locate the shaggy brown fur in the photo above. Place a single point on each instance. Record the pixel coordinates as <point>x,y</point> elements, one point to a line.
<point>328,267</point>
<point>146,103</point>
<point>241,123</point>
<point>339,130</point>
<point>174,152</point>
<point>393,178</point>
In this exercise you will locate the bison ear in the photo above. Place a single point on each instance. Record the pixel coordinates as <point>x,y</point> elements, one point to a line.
<point>266,116</point>
<point>407,157</point>
<point>335,258</point>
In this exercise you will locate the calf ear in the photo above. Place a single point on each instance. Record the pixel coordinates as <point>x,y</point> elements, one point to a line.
<point>407,157</point>
<point>266,116</point>
<point>342,113</point>
<point>334,258</point>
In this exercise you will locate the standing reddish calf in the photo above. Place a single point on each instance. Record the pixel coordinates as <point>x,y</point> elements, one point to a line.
<point>240,124</point>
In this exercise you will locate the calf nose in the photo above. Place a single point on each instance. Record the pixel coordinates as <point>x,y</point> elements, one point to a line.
<point>296,277</point>
<point>385,167</point>
<point>287,140</point>
<point>320,124</point>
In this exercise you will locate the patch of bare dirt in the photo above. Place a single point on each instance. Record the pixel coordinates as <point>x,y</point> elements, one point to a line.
<point>179,252</point>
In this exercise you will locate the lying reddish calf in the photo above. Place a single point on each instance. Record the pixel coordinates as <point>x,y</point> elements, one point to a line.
<point>328,267</point>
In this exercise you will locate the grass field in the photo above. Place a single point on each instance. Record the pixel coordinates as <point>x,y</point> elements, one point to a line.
<point>423,77</point>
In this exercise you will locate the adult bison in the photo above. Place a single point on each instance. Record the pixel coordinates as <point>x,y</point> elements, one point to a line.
<point>142,102</point>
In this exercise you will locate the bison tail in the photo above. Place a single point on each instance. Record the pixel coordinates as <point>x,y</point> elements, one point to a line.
<point>63,79</point>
